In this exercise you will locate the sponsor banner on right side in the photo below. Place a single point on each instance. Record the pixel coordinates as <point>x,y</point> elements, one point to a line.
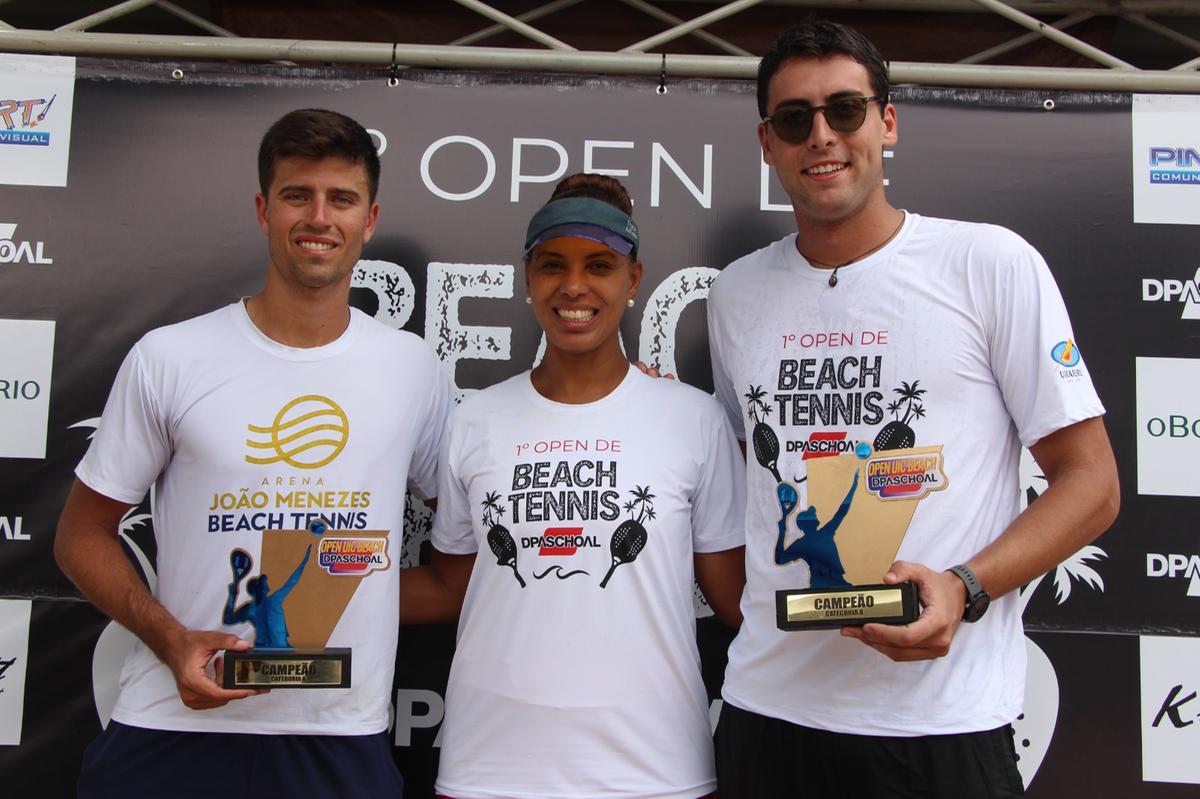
<point>1168,426</point>
<point>1170,709</point>
<point>1175,291</point>
<point>1166,159</point>
<point>1183,568</point>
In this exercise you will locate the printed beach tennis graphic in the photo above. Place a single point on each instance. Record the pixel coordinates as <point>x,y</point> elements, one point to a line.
<point>315,549</point>
<point>578,500</point>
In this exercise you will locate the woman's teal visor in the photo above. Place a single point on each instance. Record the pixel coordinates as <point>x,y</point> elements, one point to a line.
<point>582,217</point>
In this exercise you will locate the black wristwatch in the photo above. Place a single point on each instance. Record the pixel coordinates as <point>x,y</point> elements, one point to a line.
<point>977,599</point>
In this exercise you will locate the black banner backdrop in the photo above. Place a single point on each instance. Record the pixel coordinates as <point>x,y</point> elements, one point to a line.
<point>157,225</point>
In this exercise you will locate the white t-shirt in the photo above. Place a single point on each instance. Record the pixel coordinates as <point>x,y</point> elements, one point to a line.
<point>577,672</point>
<point>240,434</point>
<point>922,371</point>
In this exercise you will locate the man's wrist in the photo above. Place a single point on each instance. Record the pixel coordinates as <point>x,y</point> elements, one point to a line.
<point>976,600</point>
<point>960,589</point>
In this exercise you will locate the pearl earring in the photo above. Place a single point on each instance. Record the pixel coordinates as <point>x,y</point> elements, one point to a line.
<point>629,302</point>
<point>529,300</point>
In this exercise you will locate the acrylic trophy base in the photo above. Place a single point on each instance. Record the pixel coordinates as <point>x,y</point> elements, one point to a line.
<point>287,668</point>
<point>846,606</point>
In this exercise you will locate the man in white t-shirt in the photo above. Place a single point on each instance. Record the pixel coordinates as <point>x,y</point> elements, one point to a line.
<point>278,433</point>
<point>887,369</point>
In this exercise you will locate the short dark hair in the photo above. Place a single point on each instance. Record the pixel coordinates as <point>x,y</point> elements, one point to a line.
<point>317,133</point>
<point>820,38</point>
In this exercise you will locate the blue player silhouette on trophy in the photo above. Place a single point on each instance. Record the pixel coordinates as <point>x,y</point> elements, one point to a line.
<point>264,609</point>
<point>816,546</point>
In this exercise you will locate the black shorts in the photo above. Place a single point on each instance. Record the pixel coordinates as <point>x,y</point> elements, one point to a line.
<point>129,762</point>
<point>765,758</point>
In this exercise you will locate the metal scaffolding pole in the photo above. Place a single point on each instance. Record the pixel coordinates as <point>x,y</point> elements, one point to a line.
<point>1187,66</point>
<point>671,34</point>
<point>1049,7</point>
<point>514,24</point>
<point>1163,30</point>
<point>671,19</point>
<point>528,16</point>
<point>1044,78</point>
<point>107,15</point>
<point>199,48</point>
<point>1024,39</point>
<point>1069,42</point>
<point>199,22</point>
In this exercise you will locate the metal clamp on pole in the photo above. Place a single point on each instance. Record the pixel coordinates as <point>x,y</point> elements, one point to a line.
<point>394,70</point>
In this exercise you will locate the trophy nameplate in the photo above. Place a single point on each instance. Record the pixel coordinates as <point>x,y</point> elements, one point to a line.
<point>287,668</point>
<point>821,608</point>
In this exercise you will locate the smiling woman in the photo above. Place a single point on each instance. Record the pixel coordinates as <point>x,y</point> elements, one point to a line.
<point>582,272</point>
<point>576,671</point>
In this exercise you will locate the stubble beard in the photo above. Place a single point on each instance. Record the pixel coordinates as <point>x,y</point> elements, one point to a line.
<point>832,211</point>
<point>296,269</point>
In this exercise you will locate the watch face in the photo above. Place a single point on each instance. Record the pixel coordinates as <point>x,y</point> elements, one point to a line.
<point>976,607</point>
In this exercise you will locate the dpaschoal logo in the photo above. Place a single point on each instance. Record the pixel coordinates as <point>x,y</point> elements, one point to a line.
<point>824,444</point>
<point>1174,165</point>
<point>1168,290</point>
<point>1174,566</point>
<point>307,433</point>
<point>10,529</point>
<point>20,118</point>
<point>353,555</point>
<point>560,541</point>
<point>13,251</point>
<point>1066,355</point>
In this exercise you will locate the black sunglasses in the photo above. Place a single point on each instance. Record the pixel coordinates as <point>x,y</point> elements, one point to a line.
<point>794,124</point>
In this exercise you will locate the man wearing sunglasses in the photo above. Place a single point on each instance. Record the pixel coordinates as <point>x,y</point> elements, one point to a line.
<point>880,338</point>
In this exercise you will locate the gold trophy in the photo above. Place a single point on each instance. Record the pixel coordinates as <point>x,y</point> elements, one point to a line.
<point>292,622</point>
<point>859,508</point>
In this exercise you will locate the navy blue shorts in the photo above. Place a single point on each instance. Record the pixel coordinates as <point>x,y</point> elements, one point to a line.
<point>759,757</point>
<point>132,761</point>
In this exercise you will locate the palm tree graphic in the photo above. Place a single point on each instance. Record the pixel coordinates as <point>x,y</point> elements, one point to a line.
<point>897,434</point>
<point>757,408</point>
<point>493,511</point>
<point>643,500</point>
